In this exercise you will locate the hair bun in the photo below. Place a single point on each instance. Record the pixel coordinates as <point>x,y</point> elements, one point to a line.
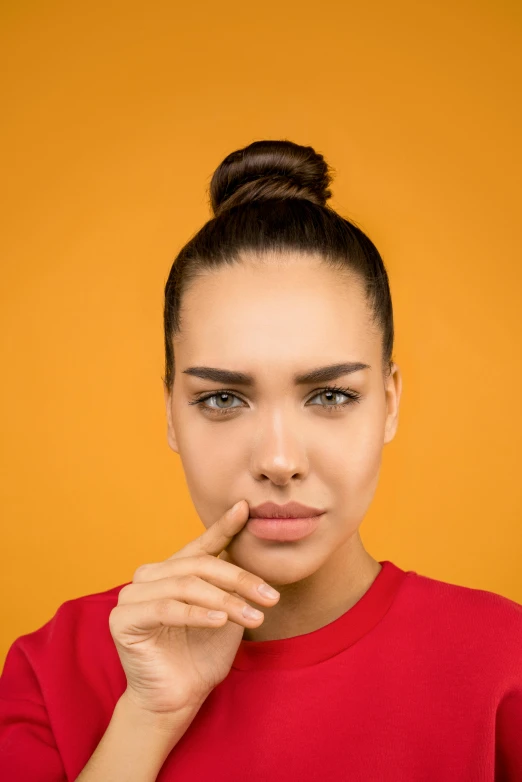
<point>270,169</point>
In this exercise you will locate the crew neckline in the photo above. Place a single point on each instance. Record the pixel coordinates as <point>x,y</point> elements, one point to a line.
<point>319,645</point>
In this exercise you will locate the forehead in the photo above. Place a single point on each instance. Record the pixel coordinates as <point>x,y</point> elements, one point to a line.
<point>291,306</point>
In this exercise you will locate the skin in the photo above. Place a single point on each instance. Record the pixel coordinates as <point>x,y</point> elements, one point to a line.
<point>274,316</point>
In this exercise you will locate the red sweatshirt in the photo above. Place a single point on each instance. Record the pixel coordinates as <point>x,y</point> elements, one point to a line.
<point>420,681</point>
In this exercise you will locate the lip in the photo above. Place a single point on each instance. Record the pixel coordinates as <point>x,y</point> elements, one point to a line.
<point>286,530</point>
<point>291,510</point>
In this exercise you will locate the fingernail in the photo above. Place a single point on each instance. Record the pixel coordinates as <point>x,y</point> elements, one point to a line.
<point>251,613</point>
<point>267,591</point>
<point>236,506</point>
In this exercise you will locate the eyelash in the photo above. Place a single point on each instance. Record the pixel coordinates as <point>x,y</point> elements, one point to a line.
<point>352,395</point>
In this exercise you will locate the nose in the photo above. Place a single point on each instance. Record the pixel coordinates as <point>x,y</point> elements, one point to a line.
<point>279,452</point>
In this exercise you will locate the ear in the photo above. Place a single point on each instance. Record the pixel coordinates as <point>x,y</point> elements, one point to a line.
<point>171,435</point>
<point>393,391</point>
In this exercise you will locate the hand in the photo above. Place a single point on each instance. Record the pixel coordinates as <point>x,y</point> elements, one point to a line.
<point>172,652</point>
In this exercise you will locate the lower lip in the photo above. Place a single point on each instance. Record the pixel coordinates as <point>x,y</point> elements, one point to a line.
<point>283,529</point>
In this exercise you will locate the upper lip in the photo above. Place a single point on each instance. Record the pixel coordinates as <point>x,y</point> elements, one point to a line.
<point>292,510</point>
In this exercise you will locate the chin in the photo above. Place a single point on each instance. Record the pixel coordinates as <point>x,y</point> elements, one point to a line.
<point>275,562</point>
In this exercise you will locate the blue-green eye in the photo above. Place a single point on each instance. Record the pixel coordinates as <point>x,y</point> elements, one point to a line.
<point>353,396</point>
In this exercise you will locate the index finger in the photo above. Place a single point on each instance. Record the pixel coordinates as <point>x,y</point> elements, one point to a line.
<point>217,537</point>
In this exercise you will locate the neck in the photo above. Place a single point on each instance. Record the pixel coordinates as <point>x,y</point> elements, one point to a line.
<point>322,598</point>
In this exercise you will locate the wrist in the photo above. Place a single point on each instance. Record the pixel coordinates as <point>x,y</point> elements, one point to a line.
<point>161,722</point>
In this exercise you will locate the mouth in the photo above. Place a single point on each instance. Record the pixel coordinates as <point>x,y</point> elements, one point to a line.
<point>291,510</point>
<point>283,528</point>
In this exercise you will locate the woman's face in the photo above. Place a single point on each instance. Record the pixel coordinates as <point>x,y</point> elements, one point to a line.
<point>274,440</point>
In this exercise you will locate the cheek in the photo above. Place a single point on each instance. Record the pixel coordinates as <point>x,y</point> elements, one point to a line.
<point>349,464</point>
<point>210,468</point>
<point>353,450</point>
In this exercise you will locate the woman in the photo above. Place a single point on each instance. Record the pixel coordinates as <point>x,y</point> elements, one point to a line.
<point>280,394</point>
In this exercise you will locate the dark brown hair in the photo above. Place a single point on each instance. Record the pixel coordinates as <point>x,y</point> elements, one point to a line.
<point>271,197</point>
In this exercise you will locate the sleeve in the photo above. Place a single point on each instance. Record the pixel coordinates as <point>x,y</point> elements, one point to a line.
<point>508,765</point>
<point>28,751</point>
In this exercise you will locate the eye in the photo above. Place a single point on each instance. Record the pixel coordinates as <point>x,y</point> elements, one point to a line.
<point>352,396</point>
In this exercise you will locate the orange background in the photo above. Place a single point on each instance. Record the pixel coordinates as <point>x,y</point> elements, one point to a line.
<point>115,115</point>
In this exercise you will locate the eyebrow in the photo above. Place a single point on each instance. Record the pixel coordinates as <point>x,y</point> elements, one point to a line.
<point>318,375</point>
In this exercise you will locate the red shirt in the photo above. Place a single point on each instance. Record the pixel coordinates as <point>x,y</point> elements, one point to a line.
<point>419,680</point>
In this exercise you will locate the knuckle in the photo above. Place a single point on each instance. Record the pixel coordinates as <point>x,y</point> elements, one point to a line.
<point>232,601</point>
<point>113,620</point>
<point>124,593</point>
<point>163,606</point>
<point>191,612</point>
<point>188,580</point>
<point>142,572</point>
<point>202,563</point>
<point>244,578</point>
